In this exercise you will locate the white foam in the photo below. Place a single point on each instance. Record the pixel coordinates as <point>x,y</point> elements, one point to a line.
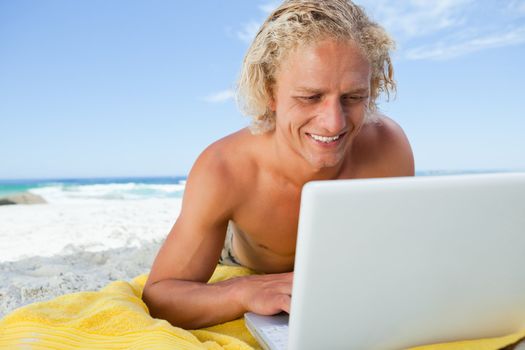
<point>61,193</point>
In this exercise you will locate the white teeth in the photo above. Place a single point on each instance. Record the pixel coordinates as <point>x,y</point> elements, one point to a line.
<point>325,139</point>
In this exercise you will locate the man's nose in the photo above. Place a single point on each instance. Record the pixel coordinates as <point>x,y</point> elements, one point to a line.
<point>333,116</point>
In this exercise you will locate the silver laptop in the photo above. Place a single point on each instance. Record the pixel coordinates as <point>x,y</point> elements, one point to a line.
<point>401,262</point>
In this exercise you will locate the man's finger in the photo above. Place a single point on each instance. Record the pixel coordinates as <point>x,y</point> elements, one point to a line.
<point>285,302</point>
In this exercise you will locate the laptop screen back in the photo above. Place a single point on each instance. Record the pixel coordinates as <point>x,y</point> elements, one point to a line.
<point>400,262</point>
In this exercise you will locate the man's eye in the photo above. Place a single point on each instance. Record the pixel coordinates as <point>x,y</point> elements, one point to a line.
<point>354,98</point>
<point>311,98</point>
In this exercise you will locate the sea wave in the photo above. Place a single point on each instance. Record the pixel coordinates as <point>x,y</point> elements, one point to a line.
<point>111,191</point>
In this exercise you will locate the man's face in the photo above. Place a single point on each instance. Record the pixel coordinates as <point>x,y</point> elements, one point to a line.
<point>320,98</point>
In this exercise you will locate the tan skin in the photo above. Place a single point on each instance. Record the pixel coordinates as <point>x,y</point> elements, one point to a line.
<point>256,180</point>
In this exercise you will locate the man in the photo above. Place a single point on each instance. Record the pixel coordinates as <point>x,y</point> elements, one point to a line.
<point>310,81</point>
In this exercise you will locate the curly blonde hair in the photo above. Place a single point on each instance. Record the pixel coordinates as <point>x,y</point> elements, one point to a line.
<point>300,22</point>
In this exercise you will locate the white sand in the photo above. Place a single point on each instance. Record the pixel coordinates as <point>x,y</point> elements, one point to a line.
<point>51,249</point>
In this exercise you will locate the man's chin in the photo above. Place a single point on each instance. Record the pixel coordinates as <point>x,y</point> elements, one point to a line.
<point>325,162</point>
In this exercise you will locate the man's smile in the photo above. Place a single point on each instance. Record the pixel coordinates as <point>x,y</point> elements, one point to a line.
<point>326,140</point>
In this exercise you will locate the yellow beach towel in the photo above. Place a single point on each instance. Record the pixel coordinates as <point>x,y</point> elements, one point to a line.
<point>116,318</point>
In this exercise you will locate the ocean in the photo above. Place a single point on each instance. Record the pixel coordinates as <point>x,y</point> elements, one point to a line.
<point>129,188</point>
<point>122,188</point>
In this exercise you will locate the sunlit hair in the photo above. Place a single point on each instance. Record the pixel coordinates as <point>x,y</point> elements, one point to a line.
<point>301,22</point>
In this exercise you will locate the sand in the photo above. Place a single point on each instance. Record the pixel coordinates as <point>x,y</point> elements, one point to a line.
<point>52,249</point>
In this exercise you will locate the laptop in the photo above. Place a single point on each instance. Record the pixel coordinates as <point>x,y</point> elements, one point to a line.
<point>402,262</point>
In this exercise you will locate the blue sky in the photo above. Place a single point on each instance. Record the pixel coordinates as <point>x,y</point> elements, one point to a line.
<point>140,88</point>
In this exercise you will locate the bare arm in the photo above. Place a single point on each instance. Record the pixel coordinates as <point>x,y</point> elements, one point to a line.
<point>176,289</point>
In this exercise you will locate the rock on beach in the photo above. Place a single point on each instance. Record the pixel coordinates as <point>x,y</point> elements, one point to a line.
<point>22,198</point>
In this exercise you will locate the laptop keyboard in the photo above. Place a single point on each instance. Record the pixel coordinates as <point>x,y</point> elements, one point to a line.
<point>277,335</point>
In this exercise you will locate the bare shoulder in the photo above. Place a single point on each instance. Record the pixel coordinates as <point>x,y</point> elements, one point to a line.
<point>220,170</point>
<point>226,159</point>
<point>383,147</point>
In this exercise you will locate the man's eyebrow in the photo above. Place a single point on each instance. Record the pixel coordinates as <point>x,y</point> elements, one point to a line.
<point>309,90</point>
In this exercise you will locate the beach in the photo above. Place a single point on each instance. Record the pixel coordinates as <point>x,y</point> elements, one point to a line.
<point>78,242</point>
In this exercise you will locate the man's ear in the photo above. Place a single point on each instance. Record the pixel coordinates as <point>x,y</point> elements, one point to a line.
<point>272,104</point>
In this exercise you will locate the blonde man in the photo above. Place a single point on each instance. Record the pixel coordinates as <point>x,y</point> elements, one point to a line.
<point>310,81</point>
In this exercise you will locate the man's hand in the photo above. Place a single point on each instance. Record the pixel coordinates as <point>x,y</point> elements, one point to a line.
<point>266,294</point>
